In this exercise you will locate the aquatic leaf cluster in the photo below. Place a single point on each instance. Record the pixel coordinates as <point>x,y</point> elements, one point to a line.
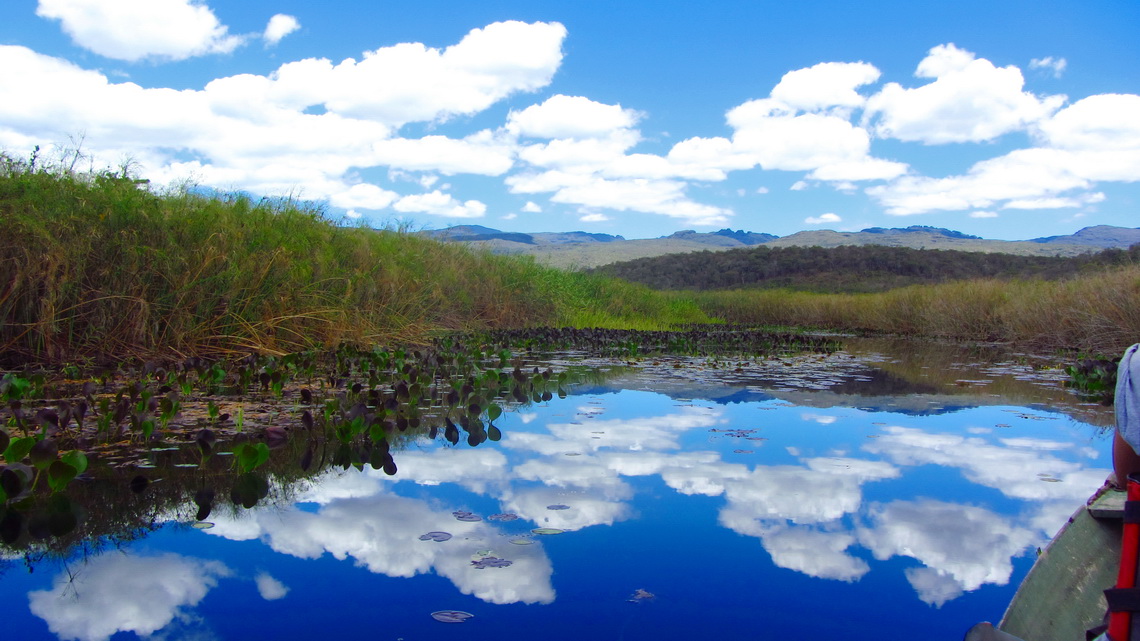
<point>1094,377</point>
<point>694,340</point>
<point>214,431</point>
<point>345,407</point>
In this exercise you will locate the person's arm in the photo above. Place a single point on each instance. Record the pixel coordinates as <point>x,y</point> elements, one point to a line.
<point>1125,460</point>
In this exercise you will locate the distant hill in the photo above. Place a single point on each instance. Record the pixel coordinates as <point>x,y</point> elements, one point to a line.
<point>850,268</point>
<point>1101,236</point>
<point>578,249</point>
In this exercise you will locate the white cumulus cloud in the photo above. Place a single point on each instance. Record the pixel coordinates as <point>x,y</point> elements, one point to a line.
<point>98,602</point>
<point>823,219</point>
<point>437,203</point>
<point>825,85</point>
<point>563,116</point>
<point>270,588</point>
<point>133,30</point>
<point>969,100</point>
<point>280,25</point>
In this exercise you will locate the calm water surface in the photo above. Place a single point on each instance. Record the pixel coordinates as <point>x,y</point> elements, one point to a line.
<point>887,495</point>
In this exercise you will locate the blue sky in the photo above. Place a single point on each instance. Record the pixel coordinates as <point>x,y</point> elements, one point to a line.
<point>1003,119</point>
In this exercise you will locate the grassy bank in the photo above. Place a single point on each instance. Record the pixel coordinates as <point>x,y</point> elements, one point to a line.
<point>1097,312</point>
<point>97,265</point>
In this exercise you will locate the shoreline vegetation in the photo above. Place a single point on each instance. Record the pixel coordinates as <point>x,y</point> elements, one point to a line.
<point>98,267</point>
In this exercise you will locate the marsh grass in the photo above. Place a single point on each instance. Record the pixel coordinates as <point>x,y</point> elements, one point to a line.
<point>1091,313</point>
<point>98,265</point>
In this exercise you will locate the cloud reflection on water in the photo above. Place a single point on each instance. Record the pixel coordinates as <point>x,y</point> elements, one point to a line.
<point>381,532</point>
<point>124,593</point>
<point>810,514</point>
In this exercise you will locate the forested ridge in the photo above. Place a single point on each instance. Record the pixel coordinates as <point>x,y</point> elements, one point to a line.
<point>868,268</point>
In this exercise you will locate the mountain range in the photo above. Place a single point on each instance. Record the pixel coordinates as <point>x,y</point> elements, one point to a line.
<point>578,249</point>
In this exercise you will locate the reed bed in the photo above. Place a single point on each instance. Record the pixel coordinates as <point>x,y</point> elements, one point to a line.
<point>97,265</point>
<point>1092,313</point>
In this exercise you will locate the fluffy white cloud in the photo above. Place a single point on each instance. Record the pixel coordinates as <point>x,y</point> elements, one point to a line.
<point>280,26</point>
<point>826,85</point>
<point>1023,174</point>
<point>437,203</point>
<point>584,509</point>
<point>970,100</point>
<point>814,552</point>
<point>932,586</point>
<point>588,163</point>
<point>824,219</point>
<point>779,138</point>
<point>411,82</point>
<point>791,493</point>
<point>648,433</point>
<point>1010,469</point>
<point>270,588</point>
<point>563,116</point>
<point>1108,122</point>
<point>365,196</point>
<point>532,208</point>
<point>480,153</point>
<point>968,545</point>
<point>665,197</point>
<point>303,129</point>
<point>91,606</point>
<point>381,533</point>
<point>132,30</point>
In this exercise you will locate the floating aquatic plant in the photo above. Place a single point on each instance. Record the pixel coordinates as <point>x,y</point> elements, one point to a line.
<point>451,616</point>
<point>490,562</point>
<point>505,516</point>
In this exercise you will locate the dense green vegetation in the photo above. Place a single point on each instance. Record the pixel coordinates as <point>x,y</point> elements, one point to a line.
<point>1097,313</point>
<point>869,268</point>
<point>98,265</point>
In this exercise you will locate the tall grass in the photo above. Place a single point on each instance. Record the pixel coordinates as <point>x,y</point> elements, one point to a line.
<point>97,265</point>
<point>1096,312</point>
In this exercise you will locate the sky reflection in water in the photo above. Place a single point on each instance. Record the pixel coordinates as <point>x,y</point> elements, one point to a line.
<point>683,518</point>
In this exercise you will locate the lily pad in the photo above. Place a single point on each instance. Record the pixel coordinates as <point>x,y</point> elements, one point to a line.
<point>548,531</point>
<point>522,541</point>
<point>202,525</point>
<point>451,616</point>
<point>491,562</point>
<point>438,537</point>
<point>641,595</point>
<point>558,507</point>
<point>464,515</point>
<point>505,516</point>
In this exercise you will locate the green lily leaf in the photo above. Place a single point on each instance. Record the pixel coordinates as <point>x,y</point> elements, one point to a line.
<point>18,449</point>
<point>76,459</point>
<point>250,456</point>
<point>59,475</point>
<point>43,453</point>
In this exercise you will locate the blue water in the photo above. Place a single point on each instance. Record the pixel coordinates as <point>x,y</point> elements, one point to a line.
<point>684,519</point>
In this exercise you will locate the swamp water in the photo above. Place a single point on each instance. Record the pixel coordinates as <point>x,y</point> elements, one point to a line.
<point>878,492</point>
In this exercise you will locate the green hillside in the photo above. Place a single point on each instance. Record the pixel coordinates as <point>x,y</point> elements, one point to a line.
<point>868,268</point>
